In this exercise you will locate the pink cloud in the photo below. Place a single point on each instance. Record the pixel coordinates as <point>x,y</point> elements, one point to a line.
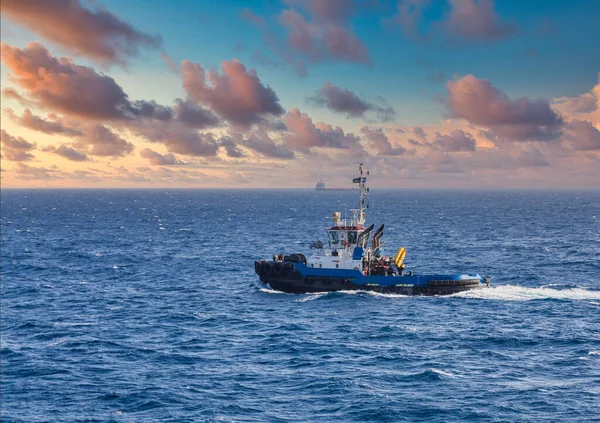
<point>237,95</point>
<point>380,141</point>
<point>322,39</point>
<point>9,93</point>
<point>474,20</point>
<point>457,140</point>
<point>59,84</point>
<point>477,20</point>
<point>303,134</point>
<point>322,32</point>
<point>95,33</point>
<point>480,103</point>
<point>171,65</point>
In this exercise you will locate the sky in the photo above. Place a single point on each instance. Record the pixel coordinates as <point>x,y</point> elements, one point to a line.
<point>283,93</point>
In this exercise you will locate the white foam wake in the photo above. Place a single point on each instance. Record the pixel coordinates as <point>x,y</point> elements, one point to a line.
<point>504,292</point>
<point>520,293</point>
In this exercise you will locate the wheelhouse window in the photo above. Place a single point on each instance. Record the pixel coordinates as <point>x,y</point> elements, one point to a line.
<point>352,237</point>
<point>334,237</point>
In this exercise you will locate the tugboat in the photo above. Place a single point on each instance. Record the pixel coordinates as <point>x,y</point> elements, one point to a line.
<point>348,262</point>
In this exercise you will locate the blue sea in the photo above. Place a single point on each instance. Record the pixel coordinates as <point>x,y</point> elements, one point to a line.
<point>143,306</point>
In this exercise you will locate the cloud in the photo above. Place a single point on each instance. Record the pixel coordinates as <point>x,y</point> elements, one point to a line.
<point>9,93</point>
<point>237,95</point>
<point>585,103</point>
<point>231,147</point>
<point>480,103</point>
<point>61,85</point>
<point>99,140</point>
<point>193,116</point>
<point>380,141</point>
<point>36,173</point>
<point>303,134</point>
<point>473,20</point>
<point>95,33</point>
<point>322,32</point>
<point>36,123</point>
<point>170,63</point>
<point>531,158</point>
<point>158,159</point>
<point>67,152</point>
<point>457,140</point>
<point>177,137</point>
<point>477,20</point>
<point>342,100</point>
<point>258,21</point>
<point>322,38</point>
<point>583,136</point>
<point>418,131</point>
<point>442,163</point>
<point>15,149</point>
<point>260,141</point>
<point>193,144</point>
<point>409,15</point>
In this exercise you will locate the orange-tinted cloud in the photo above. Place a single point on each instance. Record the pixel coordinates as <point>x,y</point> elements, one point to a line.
<point>480,103</point>
<point>67,152</point>
<point>380,141</point>
<point>457,140</point>
<point>33,173</point>
<point>303,134</point>
<point>99,140</point>
<point>237,95</point>
<point>95,33</point>
<point>36,123</point>
<point>15,149</point>
<point>158,159</point>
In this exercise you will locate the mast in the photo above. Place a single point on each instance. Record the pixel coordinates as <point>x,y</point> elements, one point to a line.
<point>362,181</point>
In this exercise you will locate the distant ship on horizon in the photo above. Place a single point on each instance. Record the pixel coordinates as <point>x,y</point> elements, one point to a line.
<point>321,187</point>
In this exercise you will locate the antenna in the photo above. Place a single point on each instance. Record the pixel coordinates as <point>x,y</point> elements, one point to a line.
<point>363,193</point>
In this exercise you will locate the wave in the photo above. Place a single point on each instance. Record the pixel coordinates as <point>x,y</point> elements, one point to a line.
<point>505,292</point>
<point>521,293</point>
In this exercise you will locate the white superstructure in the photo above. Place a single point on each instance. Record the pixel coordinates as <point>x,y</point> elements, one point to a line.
<point>347,243</point>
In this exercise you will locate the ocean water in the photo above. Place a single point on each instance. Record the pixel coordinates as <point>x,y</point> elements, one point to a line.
<point>142,306</point>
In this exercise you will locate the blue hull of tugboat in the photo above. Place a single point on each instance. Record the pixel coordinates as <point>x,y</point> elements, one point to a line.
<point>297,278</point>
